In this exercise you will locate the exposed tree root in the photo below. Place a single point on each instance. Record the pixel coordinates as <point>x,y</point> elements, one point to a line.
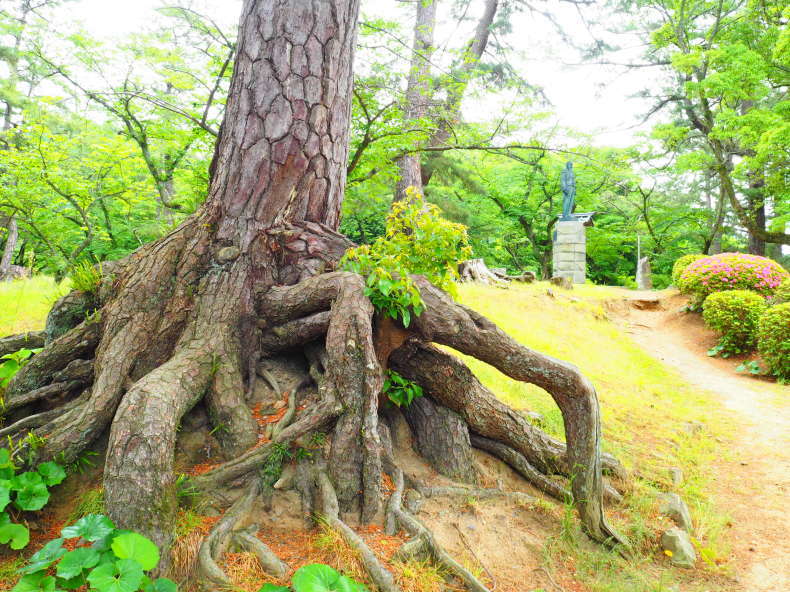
<point>13,343</point>
<point>416,529</point>
<point>452,384</point>
<point>142,393</point>
<point>218,539</point>
<point>77,343</point>
<point>39,419</point>
<point>380,576</point>
<point>521,465</point>
<point>270,563</point>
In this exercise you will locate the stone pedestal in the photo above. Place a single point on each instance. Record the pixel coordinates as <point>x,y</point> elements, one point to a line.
<point>570,251</point>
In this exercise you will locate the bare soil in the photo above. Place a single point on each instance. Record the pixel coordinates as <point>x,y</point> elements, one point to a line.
<point>753,490</point>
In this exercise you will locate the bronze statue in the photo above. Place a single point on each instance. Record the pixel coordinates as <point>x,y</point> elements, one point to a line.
<point>568,185</point>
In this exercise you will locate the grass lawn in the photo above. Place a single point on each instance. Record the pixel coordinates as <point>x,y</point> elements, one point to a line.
<point>24,303</point>
<point>646,410</point>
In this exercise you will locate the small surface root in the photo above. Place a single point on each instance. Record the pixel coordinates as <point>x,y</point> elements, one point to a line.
<point>380,576</point>
<point>418,530</point>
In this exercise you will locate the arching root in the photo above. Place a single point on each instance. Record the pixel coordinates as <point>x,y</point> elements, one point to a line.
<point>226,531</point>
<point>425,536</point>
<point>378,573</point>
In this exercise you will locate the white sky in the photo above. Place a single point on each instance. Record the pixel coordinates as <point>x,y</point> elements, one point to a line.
<point>592,98</point>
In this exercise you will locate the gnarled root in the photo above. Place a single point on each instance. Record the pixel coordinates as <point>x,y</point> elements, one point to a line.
<point>419,531</point>
<point>451,383</point>
<point>381,577</point>
<point>228,530</point>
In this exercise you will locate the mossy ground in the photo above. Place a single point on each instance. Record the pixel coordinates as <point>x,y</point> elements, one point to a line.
<point>646,410</point>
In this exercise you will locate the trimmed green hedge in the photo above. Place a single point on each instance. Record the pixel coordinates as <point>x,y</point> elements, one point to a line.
<point>734,314</point>
<point>773,340</point>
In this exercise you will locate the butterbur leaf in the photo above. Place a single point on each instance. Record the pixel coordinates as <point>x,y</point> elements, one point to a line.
<point>74,562</point>
<point>74,583</point>
<point>125,575</point>
<point>5,494</point>
<point>164,585</point>
<point>322,578</point>
<point>14,535</point>
<point>35,583</point>
<point>346,584</point>
<point>91,527</point>
<point>44,557</point>
<point>138,548</point>
<point>32,493</point>
<point>51,473</point>
<point>273,588</point>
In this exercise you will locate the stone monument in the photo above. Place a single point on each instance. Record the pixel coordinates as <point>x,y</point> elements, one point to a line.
<point>569,254</point>
<point>644,277</point>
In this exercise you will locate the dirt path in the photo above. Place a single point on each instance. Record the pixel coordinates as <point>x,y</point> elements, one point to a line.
<point>755,490</point>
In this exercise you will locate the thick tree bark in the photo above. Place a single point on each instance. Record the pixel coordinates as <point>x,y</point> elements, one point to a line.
<point>442,437</point>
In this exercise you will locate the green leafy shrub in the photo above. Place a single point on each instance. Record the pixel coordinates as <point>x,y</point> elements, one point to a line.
<point>773,340</point>
<point>735,315</point>
<point>417,241</point>
<point>317,577</point>
<point>731,271</point>
<point>400,390</point>
<point>12,363</point>
<point>782,293</point>
<point>682,263</point>
<point>106,559</point>
<point>23,492</point>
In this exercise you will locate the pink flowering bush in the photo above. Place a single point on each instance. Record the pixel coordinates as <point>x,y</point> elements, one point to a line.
<point>731,271</point>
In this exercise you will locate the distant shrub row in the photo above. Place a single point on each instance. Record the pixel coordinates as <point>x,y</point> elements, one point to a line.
<point>746,299</point>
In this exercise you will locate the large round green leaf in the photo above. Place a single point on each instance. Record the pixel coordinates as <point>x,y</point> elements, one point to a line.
<point>15,535</point>
<point>44,557</point>
<point>316,577</point>
<point>135,546</point>
<point>160,585</point>
<point>31,491</point>
<point>346,584</point>
<point>52,473</point>
<point>5,494</point>
<point>74,562</point>
<point>124,575</point>
<point>91,527</point>
<point>39,582</point>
